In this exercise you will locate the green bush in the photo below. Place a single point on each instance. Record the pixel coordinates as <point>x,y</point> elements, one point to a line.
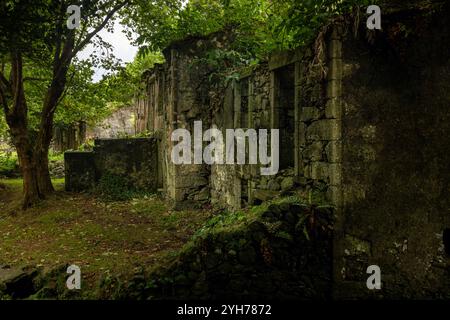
<point>113,187</point>
<point>55,156</point>
<point>9,164</point>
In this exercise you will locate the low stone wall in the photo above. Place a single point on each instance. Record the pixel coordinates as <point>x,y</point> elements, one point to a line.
<point>268,257</point>
<point>133,160</point>
<point>79,170</point>
<point>31,282</point>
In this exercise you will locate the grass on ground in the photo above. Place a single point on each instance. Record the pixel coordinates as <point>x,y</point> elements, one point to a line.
<point>101,237</point>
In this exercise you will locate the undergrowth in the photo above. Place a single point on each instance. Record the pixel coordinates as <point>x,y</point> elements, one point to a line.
<point>112,187</point>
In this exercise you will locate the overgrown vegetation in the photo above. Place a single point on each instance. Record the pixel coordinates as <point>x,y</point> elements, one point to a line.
<point>9,164</point>
<point>112,187</point>
<point>115,241</point>
<point>240,249</point>
<point>103,238</point>
<point>313,202</point>
<point>261,26</point>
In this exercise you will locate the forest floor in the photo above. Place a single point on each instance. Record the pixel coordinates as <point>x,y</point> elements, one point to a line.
<point>102,238</point>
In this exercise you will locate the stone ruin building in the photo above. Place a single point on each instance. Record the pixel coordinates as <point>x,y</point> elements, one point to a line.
<point>363,116</point>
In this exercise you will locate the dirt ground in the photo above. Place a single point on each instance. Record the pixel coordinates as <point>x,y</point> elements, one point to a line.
<point>102,238</point>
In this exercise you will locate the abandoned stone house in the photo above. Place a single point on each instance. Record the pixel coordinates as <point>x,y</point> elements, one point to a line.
<point>363,116</point>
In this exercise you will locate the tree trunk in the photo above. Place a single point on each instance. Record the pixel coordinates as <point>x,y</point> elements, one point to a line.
<point>27,160</point>
<point>32,153</point>
<point>34,165</point>
<point>43,174</point>
<point>31,193</point>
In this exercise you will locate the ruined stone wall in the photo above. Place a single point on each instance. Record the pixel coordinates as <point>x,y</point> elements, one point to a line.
<point>177,95</point>
<point>119,124</point>
<point>395,135</point>
<point>191,181</point>
<point>318,91</point>
<point>298,93</point>
<point>133,161</point>
<point>267,258</point>
<point>69,137</point>
<point>363,118</point>
<point>245,105</point>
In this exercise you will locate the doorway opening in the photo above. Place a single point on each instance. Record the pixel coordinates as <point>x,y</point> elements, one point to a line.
<point>285,114</point>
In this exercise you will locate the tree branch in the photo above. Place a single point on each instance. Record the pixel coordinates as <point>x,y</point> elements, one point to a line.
<point>35,79</point>
<point>90,35</point>
<point>3,101</point>
<point>4,81</point>
<point>58,27</point>
<point>17,80</point>
<point>5,89</point>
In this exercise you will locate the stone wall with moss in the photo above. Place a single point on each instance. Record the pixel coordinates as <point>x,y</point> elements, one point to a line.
<point>396,150</point>
<point>364,119</point>
<point>296,92</point>
<point>127,163</point>
<point>176,95</point>
<point>274,252</point>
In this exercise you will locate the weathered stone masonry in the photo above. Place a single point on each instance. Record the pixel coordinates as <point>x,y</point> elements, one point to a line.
<point>363,118</point>
<point>134,161</point>
<point>354,117</point>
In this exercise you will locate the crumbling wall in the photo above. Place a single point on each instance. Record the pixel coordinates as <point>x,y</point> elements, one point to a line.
<point>296,92</point>
<point>69,137</point>
<point>119,124</point>
<point>368,127</point>
<point>135,161</point>
<point>266,258</point>
<point>318,89</point>
<point>79,171</point>
<point>177,95</point>
<point>244,105</point>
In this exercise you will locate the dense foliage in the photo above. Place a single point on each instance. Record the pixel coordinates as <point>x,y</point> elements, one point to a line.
<point>261,26</point>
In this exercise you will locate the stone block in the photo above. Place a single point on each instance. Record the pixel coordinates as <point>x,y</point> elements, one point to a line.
<point>328,129</point>
<point>79,170</point>
<point>334,195</point>
<point>309,113</point>
<point>334,174</point>
<point>202,195</point>
<point>313,151</point>
<point>320,171</point>
<point>335,48</point>
<point>334,88</point>
<point>287,183</point>
<point>333,109</point>
<point>307,172</point>
<point>333,151</point>
<point>273,185</point>
<point>335,69</point>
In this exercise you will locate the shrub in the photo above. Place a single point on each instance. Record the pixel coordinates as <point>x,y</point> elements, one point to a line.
<point>113,187</point>
<point>9,165</point>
